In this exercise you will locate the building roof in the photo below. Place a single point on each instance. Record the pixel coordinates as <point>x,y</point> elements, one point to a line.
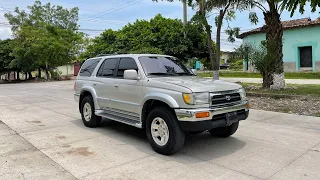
<point>291,24</point>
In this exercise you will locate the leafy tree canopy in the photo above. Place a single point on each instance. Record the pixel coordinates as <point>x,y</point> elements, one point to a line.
<point>45,37</point>
<point>159,35</point>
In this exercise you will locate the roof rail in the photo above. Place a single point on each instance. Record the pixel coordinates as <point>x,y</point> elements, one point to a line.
<point>100,55</point>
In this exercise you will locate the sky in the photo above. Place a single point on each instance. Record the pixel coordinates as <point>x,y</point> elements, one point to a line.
<point>97,15</point>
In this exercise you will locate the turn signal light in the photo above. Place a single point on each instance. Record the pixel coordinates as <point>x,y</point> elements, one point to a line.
<point>202,114</point>
<point>247,106</point>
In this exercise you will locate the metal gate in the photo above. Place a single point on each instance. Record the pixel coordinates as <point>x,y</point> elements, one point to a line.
<point>306,56</point>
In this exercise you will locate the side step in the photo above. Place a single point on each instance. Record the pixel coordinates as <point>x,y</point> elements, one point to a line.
<point>129,120</point>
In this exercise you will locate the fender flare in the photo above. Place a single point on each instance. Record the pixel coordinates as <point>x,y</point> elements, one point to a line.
<point>93,94</point>
<point>170,101</point>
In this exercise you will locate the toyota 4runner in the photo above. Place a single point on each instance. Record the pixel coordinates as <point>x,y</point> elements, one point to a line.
<point>161,95</point>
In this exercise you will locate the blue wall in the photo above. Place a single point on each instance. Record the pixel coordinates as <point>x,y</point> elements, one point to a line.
<point>292,40</point>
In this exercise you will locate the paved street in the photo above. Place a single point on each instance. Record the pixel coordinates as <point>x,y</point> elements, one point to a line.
<point>42,137</point>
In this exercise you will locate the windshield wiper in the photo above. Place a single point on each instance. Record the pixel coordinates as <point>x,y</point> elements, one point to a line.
<point>159,74</point>
<point>184,73</point>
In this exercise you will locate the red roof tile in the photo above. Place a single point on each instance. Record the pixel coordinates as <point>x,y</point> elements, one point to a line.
<point>291,24</point>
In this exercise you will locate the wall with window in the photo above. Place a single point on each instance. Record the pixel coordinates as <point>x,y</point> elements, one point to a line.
<point>293,41</point>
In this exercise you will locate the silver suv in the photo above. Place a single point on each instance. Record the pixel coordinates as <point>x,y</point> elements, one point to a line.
<point>161,95</point>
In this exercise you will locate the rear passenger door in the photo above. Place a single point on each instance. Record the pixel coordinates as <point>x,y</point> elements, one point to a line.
<point>128,96</point>
<point>105,78</point>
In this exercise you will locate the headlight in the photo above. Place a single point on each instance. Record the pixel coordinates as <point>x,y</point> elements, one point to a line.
<point>242,93</point>
<point>196,98</point>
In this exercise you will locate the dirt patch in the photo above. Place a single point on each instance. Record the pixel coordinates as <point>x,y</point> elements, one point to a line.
<point>36,122</point>
<point>297,105</point>
<point>66,146</point>
<point>1,122</point>
<point>83,151</point>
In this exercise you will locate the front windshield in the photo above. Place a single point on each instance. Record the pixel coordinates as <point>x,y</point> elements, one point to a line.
<point>166,66</point>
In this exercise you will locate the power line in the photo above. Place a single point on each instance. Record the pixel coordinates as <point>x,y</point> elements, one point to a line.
<point>132,2</point>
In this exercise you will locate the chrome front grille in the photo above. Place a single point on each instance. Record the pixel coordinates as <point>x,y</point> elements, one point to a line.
<point>225,99</point>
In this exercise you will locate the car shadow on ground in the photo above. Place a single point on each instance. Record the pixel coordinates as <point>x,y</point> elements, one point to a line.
<point>202,146</point>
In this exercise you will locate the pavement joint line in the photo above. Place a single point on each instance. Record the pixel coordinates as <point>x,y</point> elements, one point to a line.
<point>45,108</point>
<point>119,165</point>
<point>276,123</point>
<point>293,161</point>
<point>223,166</point>
<point>42,152</point>
<point>270,142</point>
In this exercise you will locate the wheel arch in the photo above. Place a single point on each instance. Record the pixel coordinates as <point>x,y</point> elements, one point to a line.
<point>88,91</point>
<point>156,100</point>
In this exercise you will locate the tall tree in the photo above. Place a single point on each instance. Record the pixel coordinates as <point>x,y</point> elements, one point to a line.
<point>5,56</point>
<point>158,35</point>
<point>292,5</point>
<point>45,37</point>
<point>225,12</point>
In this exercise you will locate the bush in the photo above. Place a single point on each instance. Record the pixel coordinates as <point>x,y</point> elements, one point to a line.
<point>55,74</point>
<point>237,65</point>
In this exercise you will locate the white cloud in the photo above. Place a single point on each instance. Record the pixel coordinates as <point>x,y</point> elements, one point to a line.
<point>5,33</point>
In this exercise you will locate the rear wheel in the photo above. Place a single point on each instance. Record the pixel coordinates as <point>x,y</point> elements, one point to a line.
<point>163,131</point>
<point>225,132</point>
<point>87,113</point>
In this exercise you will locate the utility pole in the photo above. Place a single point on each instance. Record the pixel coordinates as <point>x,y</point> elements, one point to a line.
<point>185,21</point>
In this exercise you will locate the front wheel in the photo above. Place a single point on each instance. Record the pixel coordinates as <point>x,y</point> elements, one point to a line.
<point>164,132</point>
<point>225,132</point>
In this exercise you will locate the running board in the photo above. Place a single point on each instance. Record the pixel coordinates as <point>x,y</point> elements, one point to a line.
<point>125,120</point>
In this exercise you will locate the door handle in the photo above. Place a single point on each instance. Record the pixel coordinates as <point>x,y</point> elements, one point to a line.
<point>94,84</point>
<point>116,86</point>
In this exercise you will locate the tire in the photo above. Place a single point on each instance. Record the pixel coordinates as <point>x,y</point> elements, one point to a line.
<point>89,120</point>
<point>170,126</point>
<point>225,132</point>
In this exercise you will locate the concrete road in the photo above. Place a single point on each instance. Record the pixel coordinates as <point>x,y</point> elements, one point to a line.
<point>42,137</point>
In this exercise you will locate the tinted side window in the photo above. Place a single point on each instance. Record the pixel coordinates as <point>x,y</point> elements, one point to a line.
<point>107,68</point>
<point>125,64</point>
<point>88,67</point>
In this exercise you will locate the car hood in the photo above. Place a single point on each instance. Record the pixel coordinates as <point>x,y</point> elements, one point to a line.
<point>199,84</point>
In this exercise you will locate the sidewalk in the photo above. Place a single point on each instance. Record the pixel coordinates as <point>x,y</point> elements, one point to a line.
<point>259,80</point>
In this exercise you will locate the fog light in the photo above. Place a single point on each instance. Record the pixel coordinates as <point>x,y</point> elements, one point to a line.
<point>202,114</point>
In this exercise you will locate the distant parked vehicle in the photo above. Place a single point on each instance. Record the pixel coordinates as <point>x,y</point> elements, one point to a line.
<point>224,66</point>
<point>161,95</point>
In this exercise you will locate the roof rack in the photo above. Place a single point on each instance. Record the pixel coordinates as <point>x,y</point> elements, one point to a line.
<point>100,55</point>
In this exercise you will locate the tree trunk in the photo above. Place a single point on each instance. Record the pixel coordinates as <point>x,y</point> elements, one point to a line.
<point>18,75</point>
<point>216,63</point>
<point>274,33</point>
<point>30,75</point>
<point>47,72</point>
<point>39,73</point>
<point>267,80</point>
<point>202,12</point>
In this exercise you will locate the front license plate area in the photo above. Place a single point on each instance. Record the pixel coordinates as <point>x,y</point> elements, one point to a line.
<point>231,118</point>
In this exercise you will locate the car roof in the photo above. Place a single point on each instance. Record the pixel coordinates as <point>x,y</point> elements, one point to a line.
<point>128,55</point>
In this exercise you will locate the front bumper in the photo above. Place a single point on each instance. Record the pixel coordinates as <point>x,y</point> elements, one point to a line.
<point>217,117</point>
<point>76,97</point>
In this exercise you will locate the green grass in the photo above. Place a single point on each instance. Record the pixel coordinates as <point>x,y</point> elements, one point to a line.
<point>293,89</point>
<point>240,74</point>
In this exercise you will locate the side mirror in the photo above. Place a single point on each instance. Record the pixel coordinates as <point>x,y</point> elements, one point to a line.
<point>130,74</point>
<point>194,71</point>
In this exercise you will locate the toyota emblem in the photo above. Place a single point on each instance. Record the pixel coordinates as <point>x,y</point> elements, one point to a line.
<point>228,98</point>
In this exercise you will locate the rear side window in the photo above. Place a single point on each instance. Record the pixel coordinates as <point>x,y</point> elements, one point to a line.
<point>125,64</point>
<point>107,68</point>
<point>88,67</point>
